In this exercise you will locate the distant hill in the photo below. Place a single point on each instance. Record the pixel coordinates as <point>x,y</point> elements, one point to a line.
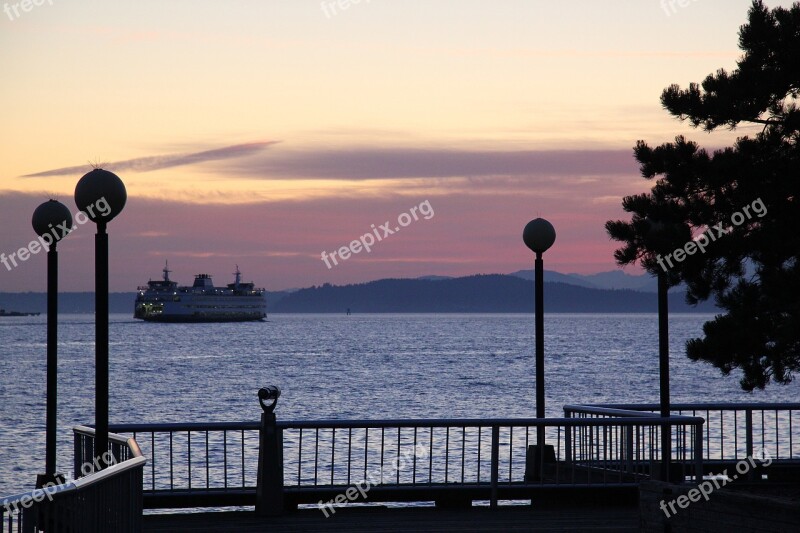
<point>556,277</point>
<point>617,279</point>
<point>493,293</point>
<point>614,279</point>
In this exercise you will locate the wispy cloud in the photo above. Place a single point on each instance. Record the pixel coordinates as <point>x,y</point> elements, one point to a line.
<point>404,163</point>
<point>147,164</point>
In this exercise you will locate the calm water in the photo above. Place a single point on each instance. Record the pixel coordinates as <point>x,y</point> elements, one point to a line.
<point>335,366</point>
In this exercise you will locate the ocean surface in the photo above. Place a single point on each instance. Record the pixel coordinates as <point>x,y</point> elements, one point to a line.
<point>337,366</point>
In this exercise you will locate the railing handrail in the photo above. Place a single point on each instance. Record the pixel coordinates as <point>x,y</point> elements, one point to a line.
<point>108,472</point>
<point>490,422</point>
<point>639,419</point>
<point>710,406</point>
<point>89,431</point>
<point>140,427</point>
<point>40,494</point>
<point>137,459</point>
<point>609,411</point>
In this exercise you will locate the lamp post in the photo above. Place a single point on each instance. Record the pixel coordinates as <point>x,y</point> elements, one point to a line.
<point>663,372</point>
<point>48,220</point>
<point>100,195</point>
<point>660,237</point>
<point>539,235</point>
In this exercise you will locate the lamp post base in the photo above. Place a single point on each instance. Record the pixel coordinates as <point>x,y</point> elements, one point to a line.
<point>49,480</point>
<point>535,463</point>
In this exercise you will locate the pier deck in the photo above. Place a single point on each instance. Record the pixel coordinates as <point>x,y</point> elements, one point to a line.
<point>518,518</point>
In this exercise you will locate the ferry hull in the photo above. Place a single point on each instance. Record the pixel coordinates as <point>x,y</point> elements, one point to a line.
<point>165,301</point>
<point>191,319</point>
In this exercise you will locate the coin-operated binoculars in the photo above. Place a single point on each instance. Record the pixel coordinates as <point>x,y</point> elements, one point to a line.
<point>269,491</point>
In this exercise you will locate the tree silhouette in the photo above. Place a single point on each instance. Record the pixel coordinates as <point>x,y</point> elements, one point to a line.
<point>739,203</point>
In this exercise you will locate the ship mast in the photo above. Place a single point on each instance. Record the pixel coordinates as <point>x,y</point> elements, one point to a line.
<point>166,271</point>
<point>238,278</point>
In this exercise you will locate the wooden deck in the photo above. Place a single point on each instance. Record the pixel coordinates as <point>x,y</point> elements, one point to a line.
<point>407,520</point>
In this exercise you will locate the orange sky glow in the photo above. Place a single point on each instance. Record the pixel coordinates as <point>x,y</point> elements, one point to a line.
<point>261,134</point>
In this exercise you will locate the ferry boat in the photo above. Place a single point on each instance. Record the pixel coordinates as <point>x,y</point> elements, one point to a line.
<point>164,301</point>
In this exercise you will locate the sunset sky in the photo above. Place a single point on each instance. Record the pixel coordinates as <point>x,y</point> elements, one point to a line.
<point>264,132</point>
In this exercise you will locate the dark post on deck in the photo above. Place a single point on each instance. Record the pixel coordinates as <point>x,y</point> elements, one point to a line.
<point>51,221</point>
<point>100,195</point>
<point>663,371</point>
<point>269,490</point>
<point>660,236</point>
<point>539,235</point>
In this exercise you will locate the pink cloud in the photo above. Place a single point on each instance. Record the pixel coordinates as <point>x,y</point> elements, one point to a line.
<point>147,164</point>
<point>391,163</point>
<point>476,228</point>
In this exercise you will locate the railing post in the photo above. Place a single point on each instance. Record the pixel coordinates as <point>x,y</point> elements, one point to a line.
<point>77,456</point>
<point>568,439</point>
<point>26,520</point>
<point>629,449</point>
<point>269,490</point>
<point>748,420</point>
<point>495,465</point>
<point>698,453</point>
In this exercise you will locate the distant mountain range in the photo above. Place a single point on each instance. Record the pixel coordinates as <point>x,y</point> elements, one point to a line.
<point>615,279</point>
<point>607,292</point>
<point>492,293</point>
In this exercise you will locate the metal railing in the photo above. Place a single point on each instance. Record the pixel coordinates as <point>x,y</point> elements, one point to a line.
<point>102,500</point>
<point>732,431</point>
<point>198,465</point>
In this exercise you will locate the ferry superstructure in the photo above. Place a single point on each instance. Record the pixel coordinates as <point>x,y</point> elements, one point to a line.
<point>165,301</point>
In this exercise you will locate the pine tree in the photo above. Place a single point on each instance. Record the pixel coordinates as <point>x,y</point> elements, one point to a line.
<point>749,191</point>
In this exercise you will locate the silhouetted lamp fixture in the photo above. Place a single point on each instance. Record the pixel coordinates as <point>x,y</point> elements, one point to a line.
<point>51,221</point>
<point>101,196</point>
<point>539,235</point>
